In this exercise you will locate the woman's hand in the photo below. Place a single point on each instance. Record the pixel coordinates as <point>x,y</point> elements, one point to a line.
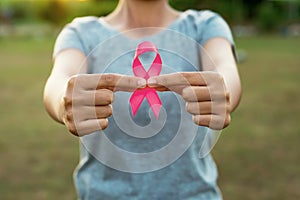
<point>86,103</point>
<point>204,92</point>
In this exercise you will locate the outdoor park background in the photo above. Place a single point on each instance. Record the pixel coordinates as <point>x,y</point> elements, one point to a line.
<point>258,155</point>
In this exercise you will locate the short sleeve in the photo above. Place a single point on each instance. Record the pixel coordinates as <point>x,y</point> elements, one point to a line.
<point>213,25</point>
<point>69,38</point>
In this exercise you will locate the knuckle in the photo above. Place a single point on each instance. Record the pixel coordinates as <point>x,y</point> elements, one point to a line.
<point>188,107</point>
<point>196,119</point>
<point>227,120</point>
<point>186,93</point>
<point>107,111</point>
<point>74,86</point>
<point>75,80</point>
<point>104,112</point>
<point>103,124</point>
<point>68,102</point>
<point>74,131</point>
<point>110,79</point>
<point>111,97</point>
<point>202,120</point>
<point>69,117</point>
<point>227,96</point>
<point>103,97</point>
<point>212,121</point>
<point>71,81</point>
<point>108,96</point>
<point>110,110</point>
<point>72,128</point>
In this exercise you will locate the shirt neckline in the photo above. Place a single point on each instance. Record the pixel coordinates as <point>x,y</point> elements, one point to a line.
<point>161,30</point>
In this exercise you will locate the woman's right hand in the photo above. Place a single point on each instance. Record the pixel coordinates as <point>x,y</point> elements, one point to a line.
<point>87,100</point>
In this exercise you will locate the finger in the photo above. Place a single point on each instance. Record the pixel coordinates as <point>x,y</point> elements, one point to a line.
<point>116,82</point>
<point>207,107</point>
<point>177,89</point>
<point>103,97</point>
<point>113,82</point>
<point>215,122</point>
<point>197,108</point>
<point>89,126</point>
<point>99,97</point>
<point>177,79</point>
<point>96,112</point>
<point>195,93</point>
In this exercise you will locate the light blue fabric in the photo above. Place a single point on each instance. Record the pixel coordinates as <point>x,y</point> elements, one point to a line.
<point>189,177</point>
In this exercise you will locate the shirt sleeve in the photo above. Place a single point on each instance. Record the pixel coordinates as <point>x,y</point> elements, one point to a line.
<point>69,38</point>
<point>213,25</point>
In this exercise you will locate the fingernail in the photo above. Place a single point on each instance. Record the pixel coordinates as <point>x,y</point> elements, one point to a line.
<point>141,83</point>
<point>152,81</point>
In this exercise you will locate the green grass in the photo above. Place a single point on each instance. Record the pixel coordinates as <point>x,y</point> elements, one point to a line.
<point>37,156</point>
<point>258,155</point>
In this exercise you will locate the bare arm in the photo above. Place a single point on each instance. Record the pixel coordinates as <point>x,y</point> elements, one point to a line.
<point>220,53</point>
<point>66,64</point>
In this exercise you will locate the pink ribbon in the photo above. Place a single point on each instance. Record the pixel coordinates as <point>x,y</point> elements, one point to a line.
<point>138,69</point>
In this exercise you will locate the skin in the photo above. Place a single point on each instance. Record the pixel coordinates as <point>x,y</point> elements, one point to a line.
<point>71,96</point>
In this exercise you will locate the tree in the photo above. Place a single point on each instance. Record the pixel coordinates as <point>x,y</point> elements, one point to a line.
<point>55,11</point>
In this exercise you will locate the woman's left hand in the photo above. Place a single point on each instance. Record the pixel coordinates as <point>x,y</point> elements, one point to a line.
<point>204,92</point>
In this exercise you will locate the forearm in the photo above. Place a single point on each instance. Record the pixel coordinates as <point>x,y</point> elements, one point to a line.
<point>218,56</point>
<point>232,83</point>
<point>68,63</point>
<point>53,97</point>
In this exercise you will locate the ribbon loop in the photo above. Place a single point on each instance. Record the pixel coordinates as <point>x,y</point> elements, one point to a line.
<point>150,94</point>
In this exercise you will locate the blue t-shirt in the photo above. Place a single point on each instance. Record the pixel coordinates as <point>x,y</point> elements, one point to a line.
<point>139,157</point>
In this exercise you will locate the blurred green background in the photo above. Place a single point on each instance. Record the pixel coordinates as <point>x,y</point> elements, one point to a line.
<point>258,154</point>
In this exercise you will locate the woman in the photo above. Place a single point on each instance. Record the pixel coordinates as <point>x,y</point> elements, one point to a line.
<point>82,91</point>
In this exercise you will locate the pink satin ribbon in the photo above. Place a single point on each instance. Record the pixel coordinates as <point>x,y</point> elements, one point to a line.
<point>138,69</point>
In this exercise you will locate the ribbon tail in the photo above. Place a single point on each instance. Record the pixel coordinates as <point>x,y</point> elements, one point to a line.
<point>154,102</point>
<point>136,100</point>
